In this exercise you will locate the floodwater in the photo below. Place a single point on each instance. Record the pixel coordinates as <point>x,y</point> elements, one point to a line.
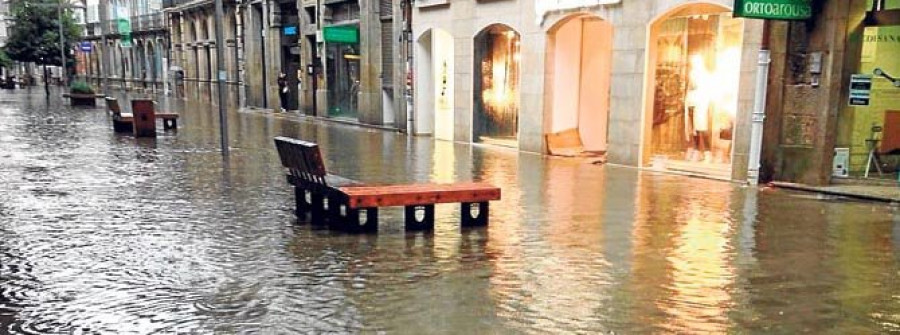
<point>106,234</point>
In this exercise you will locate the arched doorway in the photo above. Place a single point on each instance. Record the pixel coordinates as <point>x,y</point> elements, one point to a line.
<point>435,85</point>
<point>694,64</point>
<point>579,62</point>
<point>496,86</point>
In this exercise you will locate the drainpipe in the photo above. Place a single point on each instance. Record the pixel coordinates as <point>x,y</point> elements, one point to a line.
<point>758,117</point>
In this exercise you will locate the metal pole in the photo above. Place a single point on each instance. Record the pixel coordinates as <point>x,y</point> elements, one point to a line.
<point>104,56</point>
<point>222,74</point>
<point>759,115</point>
<point>62,44</point>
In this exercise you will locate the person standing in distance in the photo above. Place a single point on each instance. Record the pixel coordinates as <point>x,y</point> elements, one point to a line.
<point>283,90</point>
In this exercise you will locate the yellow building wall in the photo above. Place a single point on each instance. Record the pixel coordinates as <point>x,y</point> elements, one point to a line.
<point>881,49</point>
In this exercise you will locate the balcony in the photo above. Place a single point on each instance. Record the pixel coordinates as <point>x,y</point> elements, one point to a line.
<point>148,22</point>
<point>139,23</point>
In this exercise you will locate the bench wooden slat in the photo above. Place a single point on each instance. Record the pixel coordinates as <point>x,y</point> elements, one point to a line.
<point>415,194</point>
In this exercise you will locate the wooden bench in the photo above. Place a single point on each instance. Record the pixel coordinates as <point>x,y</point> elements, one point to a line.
<point>124,122</point>
<point>351,205</point>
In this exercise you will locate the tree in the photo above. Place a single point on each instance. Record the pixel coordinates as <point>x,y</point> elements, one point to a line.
<point>34,34</point>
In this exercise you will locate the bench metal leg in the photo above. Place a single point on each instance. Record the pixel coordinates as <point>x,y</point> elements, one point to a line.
<point>337,212</point>
<point>474,214</point>
<point>419,217</point>
<point>301,201</point>
<point>361,220</point>
<point>319,214</point>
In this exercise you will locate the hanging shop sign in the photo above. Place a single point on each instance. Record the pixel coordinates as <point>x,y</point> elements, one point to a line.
<point>860,89</point>
<point>773,9</point>
<point>341,34</point>
<point>290,30</point>
<point>124,26</point>
<point>544,7</point>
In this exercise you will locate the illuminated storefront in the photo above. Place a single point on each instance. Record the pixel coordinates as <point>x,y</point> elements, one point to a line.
<point>642,82</point>
<point>496,115</point>
<point>696,71</point>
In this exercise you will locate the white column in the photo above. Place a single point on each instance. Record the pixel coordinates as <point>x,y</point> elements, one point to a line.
<point>758,117</point>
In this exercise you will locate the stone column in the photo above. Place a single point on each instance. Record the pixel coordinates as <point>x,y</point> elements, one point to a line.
<point>273,53</point>
<point>370,100</point>
<point>804,117</point>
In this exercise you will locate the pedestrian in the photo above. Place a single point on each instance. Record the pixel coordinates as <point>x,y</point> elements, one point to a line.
<point>283,90</point>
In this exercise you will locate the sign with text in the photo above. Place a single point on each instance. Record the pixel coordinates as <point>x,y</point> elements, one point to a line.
<point>85,46</point>
<point>860,89</point>
<point>341,34</point>
<point>773,9</point>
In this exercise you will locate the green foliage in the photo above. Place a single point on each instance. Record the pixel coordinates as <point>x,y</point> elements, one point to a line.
<point>34,34</point>
<point>80,87</point>
<point>5,61</point>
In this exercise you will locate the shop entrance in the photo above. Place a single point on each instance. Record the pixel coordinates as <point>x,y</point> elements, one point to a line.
<point>695,61</point>
<point>578,73</point>
<point>496,86</point>
<point>343,78</point>
<point>874,134</point>
<point>435,86</point>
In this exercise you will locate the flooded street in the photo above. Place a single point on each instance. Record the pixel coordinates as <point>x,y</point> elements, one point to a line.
<point>107,234</point>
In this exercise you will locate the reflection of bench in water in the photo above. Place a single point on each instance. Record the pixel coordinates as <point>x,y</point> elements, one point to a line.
<point>340,201</point>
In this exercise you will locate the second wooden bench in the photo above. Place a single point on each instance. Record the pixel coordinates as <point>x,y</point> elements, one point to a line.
<point>146,117</point>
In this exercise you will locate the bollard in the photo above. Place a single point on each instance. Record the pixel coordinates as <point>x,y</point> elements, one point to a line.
<point>144,118</point>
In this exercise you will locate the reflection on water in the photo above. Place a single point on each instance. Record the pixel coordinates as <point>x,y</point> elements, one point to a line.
<point>101,233</point>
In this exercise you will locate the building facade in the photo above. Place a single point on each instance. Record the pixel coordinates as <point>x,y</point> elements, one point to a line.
<point>661,83</point>
<point>138,62</point>
<point>833,108</point>
<point>194,50</point>
<point>354,57</point>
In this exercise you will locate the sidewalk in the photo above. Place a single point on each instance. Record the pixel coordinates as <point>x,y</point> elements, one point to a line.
<point>883,192</point>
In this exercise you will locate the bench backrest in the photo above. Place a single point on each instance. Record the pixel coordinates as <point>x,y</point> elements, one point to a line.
<point>302,158</point>
<point>113,105</point>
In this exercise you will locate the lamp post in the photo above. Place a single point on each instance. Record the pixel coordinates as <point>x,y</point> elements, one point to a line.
<point>221,76</point>
<point>63,77</point>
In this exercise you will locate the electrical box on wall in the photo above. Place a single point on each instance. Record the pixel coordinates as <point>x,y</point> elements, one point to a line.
<point>815,62</point>
<point>840,166</point>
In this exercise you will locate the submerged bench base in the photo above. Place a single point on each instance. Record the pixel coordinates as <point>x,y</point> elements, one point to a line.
<point>335,211</point>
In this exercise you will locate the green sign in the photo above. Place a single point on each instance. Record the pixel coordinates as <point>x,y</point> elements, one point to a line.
<point>124,26</point>
<point>341,34</point>
<point>773,9</point>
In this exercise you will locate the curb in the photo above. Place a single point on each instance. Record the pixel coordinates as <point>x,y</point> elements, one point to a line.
<point>805,188</point>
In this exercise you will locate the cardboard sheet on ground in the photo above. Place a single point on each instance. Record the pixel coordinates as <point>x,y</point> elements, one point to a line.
<point>567,143</point>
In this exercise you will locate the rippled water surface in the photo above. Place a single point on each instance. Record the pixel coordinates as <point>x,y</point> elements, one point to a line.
<point>107,234</point>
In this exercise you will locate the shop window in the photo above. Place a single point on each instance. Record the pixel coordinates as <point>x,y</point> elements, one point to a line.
<point>497,55</point>
<point>343,79</point>
<point>880,48</point>
<point>697,70</point>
